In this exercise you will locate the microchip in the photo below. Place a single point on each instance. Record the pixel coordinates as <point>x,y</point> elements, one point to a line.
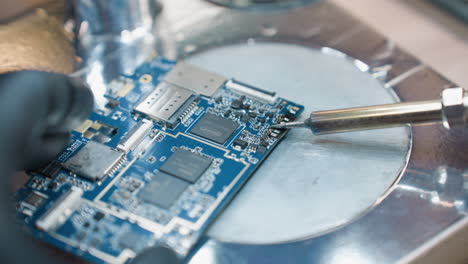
<point>35,200</point>
<point>264,143</point>
<point>163,190</point>
<point>245,118</point>
<point>80,236</point>
<point>215,128</point>
<point>94,161</point>
<point>252,114</point>
<point>240,143</point>
<point>100,132</point>
<point>245,106</point>
<point>290,115</point>
<point>236,104</point>
<point>186,165</point>
<point>98,216</point>
<point>261,149</point>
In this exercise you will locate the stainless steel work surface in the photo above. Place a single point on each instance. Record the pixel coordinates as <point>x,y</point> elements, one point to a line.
<point>309,185</point>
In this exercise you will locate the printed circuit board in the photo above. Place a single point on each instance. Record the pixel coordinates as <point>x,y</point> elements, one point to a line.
<point>171,147</point>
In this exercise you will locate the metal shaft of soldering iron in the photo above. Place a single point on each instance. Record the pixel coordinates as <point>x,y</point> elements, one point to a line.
<point>452,110</point>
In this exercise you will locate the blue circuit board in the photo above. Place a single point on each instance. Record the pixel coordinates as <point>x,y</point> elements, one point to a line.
<point>154,164</point>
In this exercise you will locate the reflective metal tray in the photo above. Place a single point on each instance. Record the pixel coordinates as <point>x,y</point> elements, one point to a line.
<point>365,197</point>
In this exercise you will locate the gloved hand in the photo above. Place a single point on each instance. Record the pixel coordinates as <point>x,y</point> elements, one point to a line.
<point>37,112</point>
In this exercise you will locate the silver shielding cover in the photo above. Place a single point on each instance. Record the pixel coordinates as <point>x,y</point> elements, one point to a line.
<point>165,103</point>
<point>195,79</point>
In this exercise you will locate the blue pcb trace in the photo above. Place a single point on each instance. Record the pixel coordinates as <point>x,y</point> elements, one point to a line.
<point>154,165</point>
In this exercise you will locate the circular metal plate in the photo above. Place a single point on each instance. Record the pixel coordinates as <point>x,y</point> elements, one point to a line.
<point>263,4</point>
<point>309,185</point>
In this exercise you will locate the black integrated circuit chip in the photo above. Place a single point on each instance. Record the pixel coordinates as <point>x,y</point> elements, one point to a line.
<point>186,165</point>
<point>163,190</point>
<point>240,143</point>
<point>215,128</point>
<point>35,200</point>
<point>261,149</point>
<point>98,216</point>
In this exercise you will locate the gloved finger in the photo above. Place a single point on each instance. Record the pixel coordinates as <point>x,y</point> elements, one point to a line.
<point>37,105</point>
<point>47,149</point>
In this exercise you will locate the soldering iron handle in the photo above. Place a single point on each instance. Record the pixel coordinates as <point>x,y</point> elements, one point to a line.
<point>451,110</point>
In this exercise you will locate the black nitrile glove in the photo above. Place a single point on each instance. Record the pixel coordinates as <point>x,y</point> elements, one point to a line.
<point>37,112</point>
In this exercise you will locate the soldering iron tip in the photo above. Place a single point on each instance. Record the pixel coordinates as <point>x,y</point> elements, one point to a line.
<point>288,125</point>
